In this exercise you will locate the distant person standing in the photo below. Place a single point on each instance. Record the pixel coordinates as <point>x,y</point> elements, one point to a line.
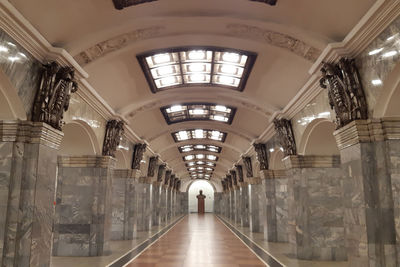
<point>200,202</point>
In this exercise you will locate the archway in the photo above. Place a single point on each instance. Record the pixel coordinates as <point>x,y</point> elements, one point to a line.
<point>276,157</point>
<point>121,160</point>
<point>78,140</point>
<point>208,191</point>
<point>11,106</point>
<point>393,107</point>
<point>318,139</point>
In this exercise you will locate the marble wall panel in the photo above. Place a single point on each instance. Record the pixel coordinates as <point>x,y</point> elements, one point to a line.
<point>281,212</point>
<point>244,199</point>
<point>315,223</point>
<point>269,206</point>
<point>255,213</point>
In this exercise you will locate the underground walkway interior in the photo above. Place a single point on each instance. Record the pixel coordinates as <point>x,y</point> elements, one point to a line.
<point>116,114</point>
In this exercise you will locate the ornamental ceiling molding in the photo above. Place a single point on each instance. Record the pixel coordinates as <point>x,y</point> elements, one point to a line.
<point>277,39</point>
<point>116,43</point>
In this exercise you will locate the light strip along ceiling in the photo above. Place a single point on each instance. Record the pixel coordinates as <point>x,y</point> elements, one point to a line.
<point>199,134</point>
<point>200,147</point>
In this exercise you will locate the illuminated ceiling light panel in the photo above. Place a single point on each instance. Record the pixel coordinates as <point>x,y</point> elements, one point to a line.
<point>184,135</point>
<point>200,163</point>
<point>189,148</point>
<point>198,111</point>
<point>196,66</point>
<point>200,157</point>
<point>194,169</point>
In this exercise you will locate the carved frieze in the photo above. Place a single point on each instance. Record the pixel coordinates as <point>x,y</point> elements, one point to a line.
<point>114,132</point>
<point>121,4</point>
<point>229,178</point>
<point>277,39</point>
<point>284,130</point>
<point>171,180</point>
<point>167,177</point>
<point>152,166</point>
<point>262,155</point>
<point>234,179</point>
<point>223,185</point>
<point>239,170</point>
<point>138,151</point>
<point>178,187</point>
<point>345,91</point>
<point>248,166</point>
<point>161,170</point>
<point>52,98</point>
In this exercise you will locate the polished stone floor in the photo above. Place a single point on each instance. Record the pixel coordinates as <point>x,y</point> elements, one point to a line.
<point>198,241</point>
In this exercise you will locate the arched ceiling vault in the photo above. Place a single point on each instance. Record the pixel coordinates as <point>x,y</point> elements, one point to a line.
<point>287,39</point>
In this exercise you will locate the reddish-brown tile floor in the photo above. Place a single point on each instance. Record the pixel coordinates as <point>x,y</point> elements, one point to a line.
<point>198,241</point>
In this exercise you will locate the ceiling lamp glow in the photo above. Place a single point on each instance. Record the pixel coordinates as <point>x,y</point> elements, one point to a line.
<point>200,163</point>
<point>200,157</point>
<point>187,66</point>
<point>199,134</point>
<point>198,111</point>
<point>189,148</point>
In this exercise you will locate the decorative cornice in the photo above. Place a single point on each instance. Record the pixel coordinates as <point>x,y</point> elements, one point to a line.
<point>86,161</point>
<point>301,162</point>
<point>30,132</point>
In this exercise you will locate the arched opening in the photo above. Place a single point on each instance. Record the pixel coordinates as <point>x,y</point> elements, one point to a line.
<point>318,139</point>
<point>208,191</point>
<point>78,140</point>
<point>393,107</point>
<point>121,160</point>
<point>275,162</point>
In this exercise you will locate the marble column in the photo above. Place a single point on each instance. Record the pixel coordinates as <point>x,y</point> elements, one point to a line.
<point>244,205</point>
<point>281,205</point>
<point>366,147</point>
<point>269,218</point>
<point>28,167</point>
<point>84,204</point>
<point>123,197</point>
<point>315,198</point>
<point>254,191</point>
<point>232,208</point>
<point>143,204</point>
<point>156,218</point>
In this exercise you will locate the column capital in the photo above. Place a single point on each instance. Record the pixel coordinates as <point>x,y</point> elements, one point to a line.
<point>298,161</point>
<point>30,132</point>
<point>367,131</point>
<point>253,180</point>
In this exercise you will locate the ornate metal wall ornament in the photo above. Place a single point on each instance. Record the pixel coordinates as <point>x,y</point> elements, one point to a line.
<point>171,180</point>
<point>248,166</point>
<point>161,170</point>
<point>345,91</point>
<point>229,178</point>
<point>178,187</point>
<point>52,98</point>
<point>239,170</point>
<point>262,155</point>
<point>167,176</point>
<point>223,185</point>
<point>121,4</point>
<point>284,130</point>
<point>152,166</point>
<point>234,179</point>
<point>269,2</point>
<point>114,132</point>
<point>138,151</point>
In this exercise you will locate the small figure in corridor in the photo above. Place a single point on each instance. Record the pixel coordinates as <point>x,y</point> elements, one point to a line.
<point>200,202</point>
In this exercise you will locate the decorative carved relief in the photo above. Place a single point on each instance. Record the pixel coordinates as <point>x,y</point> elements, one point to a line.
<point>53,95</point>
<point>239,170</point>
<point>138,151</point>
<point>234,179</point>
<point>262,155</point>
<point>178,187</point>
<point>345,91</point>
<point>167,177</point>
<point>278,39</point>
<point>284,130</point>
<point>103,48</point>
<point>152,166</point>
<point>171,180</point>
<point>114,132</point>
<point>161,170</point>
<point>269,2</point>
<point>223,183</point>
<point>248,166</point>
<point>121,4</point>
<point>229,178</point>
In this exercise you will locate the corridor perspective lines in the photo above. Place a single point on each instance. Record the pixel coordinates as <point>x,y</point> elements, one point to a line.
<point>198,241</point>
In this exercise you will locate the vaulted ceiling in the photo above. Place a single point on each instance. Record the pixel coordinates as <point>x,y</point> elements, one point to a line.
<point>287,39</point>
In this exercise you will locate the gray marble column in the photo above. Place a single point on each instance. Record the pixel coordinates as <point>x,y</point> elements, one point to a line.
<point>28,163</point>
<point>143,205</point>
<point>123,208</point>
<point>155,201</point>
<point>281,205</point>
<point>315,198</point>
<point>232,212</point>
<point>84,205</point>
<point>366,147</point>
<point>255,213</point>
<point>244,205</point>
<point>269,206</point>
